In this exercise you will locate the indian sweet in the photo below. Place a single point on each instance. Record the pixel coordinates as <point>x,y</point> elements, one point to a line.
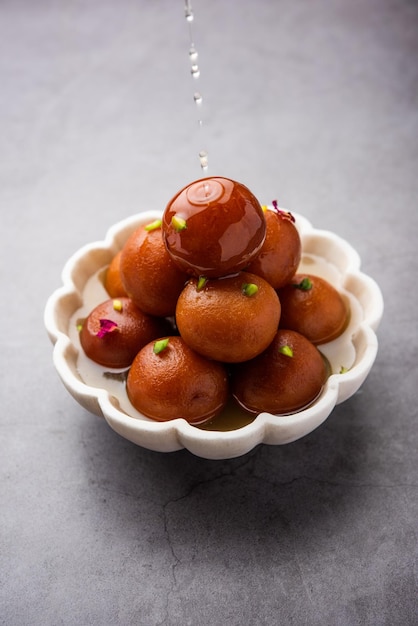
<point>169,380</point>
<point>213,227</point>
<point>281,251</point>
<point>286,377</point>
<point>148,273</point>
<point>115,330</point>
<point>112,280</point>
<point>314,308</point>
<point>208,304</point>
<point>228,319</point>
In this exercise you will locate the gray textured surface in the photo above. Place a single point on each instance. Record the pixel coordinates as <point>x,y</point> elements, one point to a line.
<point>313,103</point>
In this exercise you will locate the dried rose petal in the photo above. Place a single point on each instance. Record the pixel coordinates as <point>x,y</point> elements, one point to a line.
<point>106,326</point>
<point>286,215</point>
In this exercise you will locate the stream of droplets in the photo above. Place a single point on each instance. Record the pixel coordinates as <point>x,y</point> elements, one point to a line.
<point>195,72</point>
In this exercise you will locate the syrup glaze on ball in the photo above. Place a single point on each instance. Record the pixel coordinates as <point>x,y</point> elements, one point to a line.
<point>113,281</point>
<point>314,308</point>
<point>230,319</point>
<point>115,330</point>
<point>148,274</point>
<point>213,227</point>
<point>281,252</point>
<point>286,377</point>
<point>173,381</point>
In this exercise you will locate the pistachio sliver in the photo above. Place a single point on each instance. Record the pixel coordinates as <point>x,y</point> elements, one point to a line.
<point>153,225</point>
<point>249,289</point>
<point>286,350</point>
<point>178,223</point>
<point>201,282</point>
<point>304,285</point>
<point>160,345</point>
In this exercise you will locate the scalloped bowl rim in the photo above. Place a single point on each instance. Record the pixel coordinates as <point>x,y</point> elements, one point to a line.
<point>177,433</point>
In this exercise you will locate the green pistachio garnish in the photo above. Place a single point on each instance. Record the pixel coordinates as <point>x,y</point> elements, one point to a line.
<point>286,350</point>
<point>153,225</point>
<point>305,284</point>
<point>202,280</point>
<point>160,345</point>
<point>79,323</point>
<point>178,223</point>
<point>249,289</point>
<point>117,305</point>
<point>343,370</point>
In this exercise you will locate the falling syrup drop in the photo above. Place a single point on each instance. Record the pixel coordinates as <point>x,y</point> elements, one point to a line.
<point>193,55</point>
<point>203,157</point>
<point>188,11</point>
<point>195,71</point>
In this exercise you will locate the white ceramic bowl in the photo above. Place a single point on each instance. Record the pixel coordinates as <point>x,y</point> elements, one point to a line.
<point>104,394</point>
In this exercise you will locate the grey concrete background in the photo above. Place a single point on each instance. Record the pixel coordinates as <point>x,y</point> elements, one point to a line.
<point>312,103</point>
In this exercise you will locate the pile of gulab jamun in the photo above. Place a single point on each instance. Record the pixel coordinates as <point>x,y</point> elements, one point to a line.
<point>206,304</point>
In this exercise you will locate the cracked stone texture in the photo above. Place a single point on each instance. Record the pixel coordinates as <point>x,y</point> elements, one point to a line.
<point>315,104</point>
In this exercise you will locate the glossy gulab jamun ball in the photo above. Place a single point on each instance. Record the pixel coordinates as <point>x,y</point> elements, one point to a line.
<point>314,308</point>
<point>281,251</point>
<point>285,378</point>
<point>229,319</point>
<point>116,329</point>
<point>213,227</point>
<point>168,380</point>
<point>113,281</point>
<point>148,274</point>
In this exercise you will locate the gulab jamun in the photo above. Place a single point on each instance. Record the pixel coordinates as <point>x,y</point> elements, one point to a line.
<point>113,281</point>
<point>148,274</point>
<point>228,319</point>
<point>116,330</point>
<point>168,380</point>
<point>281,252</point>
<point>314,308</point>
<point>285,378</point>
<point>213,227</point>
